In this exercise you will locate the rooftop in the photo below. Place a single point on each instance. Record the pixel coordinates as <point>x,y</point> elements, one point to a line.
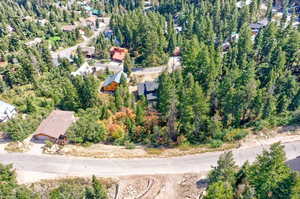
<point>56,124</point>
<point>114,78</point>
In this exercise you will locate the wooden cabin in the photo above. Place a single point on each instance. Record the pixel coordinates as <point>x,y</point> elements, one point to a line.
<point>55,126</point>
<point>112,82</point>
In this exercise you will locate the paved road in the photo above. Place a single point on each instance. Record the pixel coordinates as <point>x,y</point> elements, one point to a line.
<point>47,165</point>
<point>67,52</point>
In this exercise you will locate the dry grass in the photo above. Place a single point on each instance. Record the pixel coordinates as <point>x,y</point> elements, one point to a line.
<point>16,147</point>
<point>154,151</point>
<point>109,151</point>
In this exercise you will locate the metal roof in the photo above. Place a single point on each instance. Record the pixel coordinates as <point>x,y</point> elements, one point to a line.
<point>114,78</point>
<point>151,96</point>
<point>141,89</point>
<point>151,86</point>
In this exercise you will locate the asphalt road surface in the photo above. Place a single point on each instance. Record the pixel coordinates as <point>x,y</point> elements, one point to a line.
<point>74,166</point>
<point>67,52</point>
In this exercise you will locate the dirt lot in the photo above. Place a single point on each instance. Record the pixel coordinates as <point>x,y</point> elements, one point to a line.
<point>283,134</point>
<point>185,186</point>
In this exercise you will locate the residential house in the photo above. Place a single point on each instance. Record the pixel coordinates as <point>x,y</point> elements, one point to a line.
<point>149,90</point>
<point>225,46</point>
<point>84,69</point>
<point>112,82</point>
<point>255,27</point>
<point>91,21</point>
<point>118,54</point>
<point>176,52</point>
<point>27,18</point>
<point>81,32</point>
<point>68,28</point>
<point>243,3</point>
<point>10,29</point>
<point>43,22</point>
<point>7,111</point>
<point>33,42</point>
<point>97,12</point>
<point>55,126</point>
<point>108,34</point>
<point>89,52</point>
<point>3,63</point>
<point>234,37</point>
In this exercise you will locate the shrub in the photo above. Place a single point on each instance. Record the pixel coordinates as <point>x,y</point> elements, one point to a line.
<point>48,144</point>
<point>260,125</point>
<point>216,143</point>
<point>87,130</point>
<point>235,134</point>
<point>19,129</point>
<point>129,145</point>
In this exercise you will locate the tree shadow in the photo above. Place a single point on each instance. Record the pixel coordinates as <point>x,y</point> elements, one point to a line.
<point>4,139</point>
<point>290,128</point>
<point>202,183</point>
<point>294,164</point>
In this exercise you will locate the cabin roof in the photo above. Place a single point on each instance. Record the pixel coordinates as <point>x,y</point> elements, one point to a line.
<point>151,96</point>
<point>151,86</point>
<point>56,124</point>
<point>114,78</point>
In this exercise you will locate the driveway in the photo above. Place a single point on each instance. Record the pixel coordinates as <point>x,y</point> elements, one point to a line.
<point>35,167</point>
<point>173,64</point>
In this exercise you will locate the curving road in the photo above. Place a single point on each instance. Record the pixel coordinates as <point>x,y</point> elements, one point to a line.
<point>47,165</point>
<point>67,52</point>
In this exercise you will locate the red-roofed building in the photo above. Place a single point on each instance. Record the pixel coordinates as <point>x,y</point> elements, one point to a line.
<point>118,54</point>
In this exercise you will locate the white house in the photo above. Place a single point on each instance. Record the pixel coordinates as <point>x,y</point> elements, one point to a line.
<point>84,69</point>
<point>241,4</point>
<point>7,111</point>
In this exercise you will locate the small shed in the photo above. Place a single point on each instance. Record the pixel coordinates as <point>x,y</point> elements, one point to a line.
<point>55,126</point>
<point>111,83</point>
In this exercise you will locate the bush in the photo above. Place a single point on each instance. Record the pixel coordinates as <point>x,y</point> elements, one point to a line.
<point>216,143</point>
<point>87,130</point>
<point>129,145</point>
<point>19,129</point>
<point>235,134</point>
<point>260,125</point>
<point>48,144</point>
<point>295,119</point>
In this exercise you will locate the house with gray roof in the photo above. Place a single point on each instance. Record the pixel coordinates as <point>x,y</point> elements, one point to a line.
<point>112,82</point>
<point>149,90</point>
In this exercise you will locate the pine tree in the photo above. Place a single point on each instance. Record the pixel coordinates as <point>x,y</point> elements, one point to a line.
<point>225,171</point>
<point>140,114</point>
<point>97,191</point>
<point>128,64</point>
<point>219,190</point>
<point>269,171</point>
<point>118,99</point>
